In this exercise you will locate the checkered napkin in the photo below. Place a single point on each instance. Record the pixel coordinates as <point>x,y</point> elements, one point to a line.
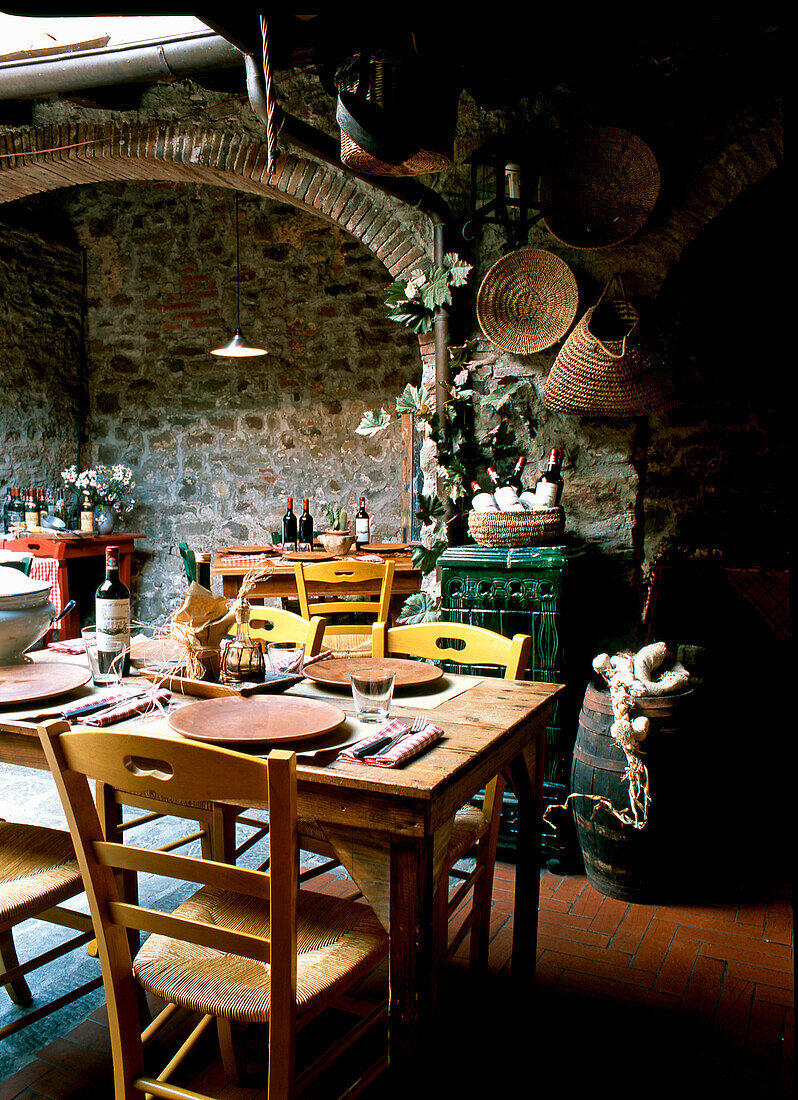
<point>141,705</point>
<point>405,749</point>
<point>370,557</point>
<point>248,561</point>
<point>46,569</point>
<point>73,646</point>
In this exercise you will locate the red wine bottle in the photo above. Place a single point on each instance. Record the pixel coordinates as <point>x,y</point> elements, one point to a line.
<point>289,527</point>
<point>362,524</point>
<point>549,485</point>
<point>305,527</point>
<point>515,477</point>
<point>482,501</point>
<point>505,495</point>
<point>112,615</point>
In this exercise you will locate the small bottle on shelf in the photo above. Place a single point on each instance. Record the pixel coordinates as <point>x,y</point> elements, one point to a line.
<point>482,501</point>
<point>112,616</point>
<point>87,515</point>
<point>548,489</point>
<point>289,528</point>
<point>362,525</point>
<point>305,527</point>
<point>32,513</point>
<point>505,495</point>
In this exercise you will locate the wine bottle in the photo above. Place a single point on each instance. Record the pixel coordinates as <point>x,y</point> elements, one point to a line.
<point>87,514</point>
<point>289,528</point>
<point>16,509</point>
<point>505,495</point>
<point>362,524</point>
<point>515,477</point>
<point>481,500</point>
<point>548,489</point>
<point>32,513</point>
<point>305,527</point>
<point>112,615</point>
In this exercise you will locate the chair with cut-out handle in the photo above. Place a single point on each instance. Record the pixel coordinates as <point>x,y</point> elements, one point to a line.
<point>338,591</point>
<point>249,947</point>
<point>475,831</point>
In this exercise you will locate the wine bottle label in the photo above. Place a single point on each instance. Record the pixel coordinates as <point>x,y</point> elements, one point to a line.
<point>362,529</point>
<point>528,499</point>
<point>32,518</point>
<point>507,499</point>
<point>113,622</point>
<point>484,502</point>
<point>87,522</point>
<point>546,494</point>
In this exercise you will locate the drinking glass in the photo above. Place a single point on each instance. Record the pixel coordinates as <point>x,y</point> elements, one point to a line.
<point>105,664</point>
<point>286,657</point>
<point>372,691</point>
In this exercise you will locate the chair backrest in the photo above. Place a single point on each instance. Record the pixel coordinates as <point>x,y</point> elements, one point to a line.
<point>175,770</point>
<point>343,578</point>
<point>432,640</point>
<point>272,624</point>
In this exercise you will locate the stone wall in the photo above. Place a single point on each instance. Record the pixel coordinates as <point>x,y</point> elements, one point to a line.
<point>42,399</point>
<point>219,450</point>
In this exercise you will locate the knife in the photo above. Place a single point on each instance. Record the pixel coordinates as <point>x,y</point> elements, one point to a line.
<point>394,741</point>
<point>372,747</point>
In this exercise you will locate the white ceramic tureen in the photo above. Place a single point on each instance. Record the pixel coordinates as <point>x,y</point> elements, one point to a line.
<point>26,613</point>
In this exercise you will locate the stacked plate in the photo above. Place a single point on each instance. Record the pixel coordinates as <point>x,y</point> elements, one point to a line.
<point>18,592</point>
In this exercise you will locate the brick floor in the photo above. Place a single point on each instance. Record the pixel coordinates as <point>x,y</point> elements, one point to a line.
<point>648,999</point>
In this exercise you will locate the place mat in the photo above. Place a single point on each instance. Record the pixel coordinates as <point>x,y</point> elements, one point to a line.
<point>334,672</point>
<point>247,561</point>
<point>27,683</point>
<point>425,698</point>
<point>260,720</point>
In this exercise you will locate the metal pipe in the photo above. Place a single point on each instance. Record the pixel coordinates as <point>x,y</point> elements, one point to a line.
<point>133,62</point>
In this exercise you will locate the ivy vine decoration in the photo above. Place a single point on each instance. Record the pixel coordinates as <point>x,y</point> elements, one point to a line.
<point>460,451</point>
<point>413,301</point>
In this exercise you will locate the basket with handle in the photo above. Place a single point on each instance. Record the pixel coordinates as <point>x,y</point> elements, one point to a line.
<point>542,527</point>
<point>606,367</point>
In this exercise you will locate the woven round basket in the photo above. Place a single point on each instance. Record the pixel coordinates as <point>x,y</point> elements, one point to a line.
<point>528,528</point>
<point>596,376</point>
<point>600,188</point>
<point>527,301</point>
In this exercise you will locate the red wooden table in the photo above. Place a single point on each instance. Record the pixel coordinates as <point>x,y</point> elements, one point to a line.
<point>68,550</point>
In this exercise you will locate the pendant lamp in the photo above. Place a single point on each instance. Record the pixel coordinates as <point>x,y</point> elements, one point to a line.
<point>238,347</point>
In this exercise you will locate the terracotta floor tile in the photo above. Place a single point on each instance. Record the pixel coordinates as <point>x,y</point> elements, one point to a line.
<point>609,916</point>
<point>569,890</point>
<point>574,932</point>
<point>765,1029</point>
<point>734,1009</point>
<point>753,913</point>
<point>703,988</point>
<point>749,958</point>
<point>760,974</point>
<point>633,927</point>
<point>612,990</point>
<point>584,948</point>
<point>601,969</point>
<point>722,939</point>
<point>15,1085</point>
<point>775,994</point>
<point>588,903</point>
<point>677,967</point>
<point>779,922</point>
<point>655,945</point>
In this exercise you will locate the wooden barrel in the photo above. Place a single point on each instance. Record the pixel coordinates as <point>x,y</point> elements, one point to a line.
<point>621,861</point>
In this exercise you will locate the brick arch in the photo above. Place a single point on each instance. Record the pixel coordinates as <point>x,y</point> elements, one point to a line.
<point>87,152</point>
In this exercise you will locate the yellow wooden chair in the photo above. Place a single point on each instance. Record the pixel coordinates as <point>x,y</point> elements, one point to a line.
<point>272,624</point>
<point>341,578</point>
<point>248,946</point>
<point>475,831</point>
<point>38,872</point>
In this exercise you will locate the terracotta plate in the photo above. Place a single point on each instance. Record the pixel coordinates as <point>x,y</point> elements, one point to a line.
<point>385,547</point>
<point>334,671</point>
<point>308,555</point>
<point>29,683</point>
<point>259,720</point>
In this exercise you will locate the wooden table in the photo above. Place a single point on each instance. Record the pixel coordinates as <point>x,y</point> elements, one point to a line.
<point>66,551</point>
<point>389,827</point>
<point>281,583</point>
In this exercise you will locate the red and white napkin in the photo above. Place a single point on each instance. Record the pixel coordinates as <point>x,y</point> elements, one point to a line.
<point>140,705</point>
<point>69,645</point>
<point>411,745</point>
<point>371,557</point>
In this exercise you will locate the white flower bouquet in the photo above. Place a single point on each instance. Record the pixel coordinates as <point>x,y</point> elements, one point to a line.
<point>108,485</point>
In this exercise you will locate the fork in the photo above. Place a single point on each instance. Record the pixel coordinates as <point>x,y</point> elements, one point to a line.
<point>417,725</point>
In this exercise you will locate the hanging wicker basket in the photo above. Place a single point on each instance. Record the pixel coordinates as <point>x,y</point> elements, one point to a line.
<point>606,368</point>
<point>382,134</point>
<point>527,301</point>
<point>538,528</point>
<point>600,188</point>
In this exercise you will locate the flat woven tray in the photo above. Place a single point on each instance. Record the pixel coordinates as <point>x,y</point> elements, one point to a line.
<point>529,528</point>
